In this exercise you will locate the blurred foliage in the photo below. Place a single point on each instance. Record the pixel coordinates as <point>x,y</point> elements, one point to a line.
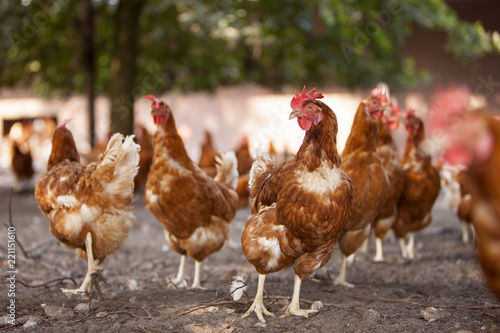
<point>201,44</point>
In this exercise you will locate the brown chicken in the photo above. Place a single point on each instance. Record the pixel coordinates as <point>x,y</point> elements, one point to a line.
<point>194,209</point>
<point>244,157</point>
<point>207,161</point>
<point>472,139</point>
<point>299,207</point>
<point>22,164</point>
<point>89,207</point>
<point>421,187</point>
<point>22,161</point>
<point>391,162</point>
<point>243,191</point>
<point>371,185</point>
<point>245,161</point>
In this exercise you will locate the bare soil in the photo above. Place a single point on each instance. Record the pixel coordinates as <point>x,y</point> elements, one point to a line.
<point>442,290</point>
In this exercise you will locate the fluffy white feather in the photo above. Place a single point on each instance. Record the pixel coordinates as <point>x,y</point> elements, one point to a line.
<point>125,154</point>
<point>238,287</point>
<point>262,163</point>
<point>227,169</point>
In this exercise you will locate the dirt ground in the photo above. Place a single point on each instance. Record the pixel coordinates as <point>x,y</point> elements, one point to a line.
<point>441,291</point>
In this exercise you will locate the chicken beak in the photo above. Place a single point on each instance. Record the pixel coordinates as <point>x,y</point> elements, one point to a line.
<point>295,114</point>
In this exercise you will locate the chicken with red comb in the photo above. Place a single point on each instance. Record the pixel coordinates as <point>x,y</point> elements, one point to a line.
<point>299,207</point>
<point>371,185</point>
<point>310,117</point>
<point>421,187</point>
<point>391,162</point>
<point>89,207</point>
<point>194,209</point>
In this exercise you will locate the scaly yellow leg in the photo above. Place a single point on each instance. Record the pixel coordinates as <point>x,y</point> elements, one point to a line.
<point>257,305</point>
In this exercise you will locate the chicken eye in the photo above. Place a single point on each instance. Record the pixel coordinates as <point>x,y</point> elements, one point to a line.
<point>310,107</point>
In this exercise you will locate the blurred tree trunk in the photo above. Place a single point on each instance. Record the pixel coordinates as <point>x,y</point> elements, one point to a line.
<point>123,66</point>
<point>88,28</point>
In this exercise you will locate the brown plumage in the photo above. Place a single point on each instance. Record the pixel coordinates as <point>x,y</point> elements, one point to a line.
<point>466,203</point>
<point>472,138</point>
<point>89,206</point>
<point>421,187</point>
<point>299,207</point>
<point>244,157</point>
<point>243,190</point>
<point>474,141</point>
<point>486,214</point>
<point>208,155</point>
<point>371,185</point>
<point>22,163</point>
<point>194,209</point>
<point>391,163</point>
<point>245,161</point>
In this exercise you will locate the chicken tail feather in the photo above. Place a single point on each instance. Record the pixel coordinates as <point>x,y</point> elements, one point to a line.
<point>263,162</point>
<point>227,169</point>
<point>121,162</point>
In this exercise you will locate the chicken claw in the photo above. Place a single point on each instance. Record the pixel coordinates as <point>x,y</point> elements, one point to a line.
<point>93,269</point>
<point>341,278</point>
<point>257,305</point>
<point>179,281</point>
<point>294,307</point>
<point>295,311</point>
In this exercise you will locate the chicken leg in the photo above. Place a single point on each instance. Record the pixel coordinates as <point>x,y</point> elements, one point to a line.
<point>403,247</point>
<point>294,306</point>
<point>341,278</point>
<point>411,245</point>
<point>179,279</point>
<point>197,271</point>
<point>379,251</point>
<point>93,267</point>
<point>257,305</point>
<point>465,232</point>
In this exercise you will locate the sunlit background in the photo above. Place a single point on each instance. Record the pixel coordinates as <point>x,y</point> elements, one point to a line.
<point>230,67</point>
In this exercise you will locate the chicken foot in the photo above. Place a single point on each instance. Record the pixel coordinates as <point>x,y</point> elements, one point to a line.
<point>257,305</point>
<point>379,251</point>
<point>93,267</point>
<point>341,278</point>
<point>197,272</point>
<point>294,306</point>
<point>411,245</point>
<point>465,231</point>
<point>179,279</point>
<point>404,249</point>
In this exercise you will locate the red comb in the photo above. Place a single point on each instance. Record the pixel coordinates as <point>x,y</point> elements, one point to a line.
<point>297,100</point>
<point>156,102</point>
<point>64,123</point>
<point>380,94</point>
<point>410,113</point>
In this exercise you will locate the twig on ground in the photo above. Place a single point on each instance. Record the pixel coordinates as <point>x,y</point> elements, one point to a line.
<point>5,327</point>
<point>46,283</point>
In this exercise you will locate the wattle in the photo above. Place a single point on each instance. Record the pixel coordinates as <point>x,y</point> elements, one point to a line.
<point>393,125</point>
<point>160,119</point>
<point>304,123</point>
